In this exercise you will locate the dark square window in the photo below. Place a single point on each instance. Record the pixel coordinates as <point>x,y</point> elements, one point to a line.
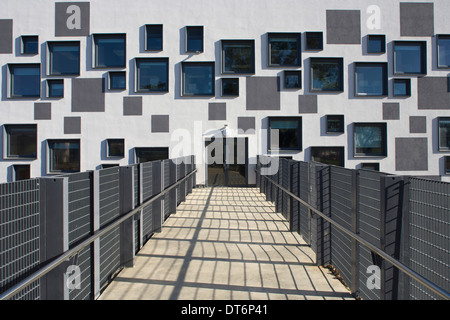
<point>285,49</point>
<point>447,164</point>
<point>285,133</point>
<point>370,139</point>
<point>198,79</point>
<point>25,81</point>
<point>444,133</point>
<point>194,39</point>
<point>443,51</point>
<point>151,154</point>
<point>115,148</point>
<point>376,43</point>
<point>371,79</point>
<point>327,74</point>
<point>152,74</point>
<point>238,56</point>
<point>402,87</point>
<point>410,57</point>
<point>21,172</point>
<point>55,88</point>
<point>292,79</point>
<point>30,44</point>
<point>335,123</point>
<point>230,87</point>
<point>21,141</point>
<point>314,41</point>
<point>328,155</point>
<point>154,37</point>
<point>117,80</point>
<point>375,166</point>
<point>110,50</point>
<point>64,58</point>
<point>64,156</point>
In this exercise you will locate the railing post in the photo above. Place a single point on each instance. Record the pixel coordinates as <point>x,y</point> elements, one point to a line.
<point>354,286</point>
<point>96,227</point>
<point>127,228</point>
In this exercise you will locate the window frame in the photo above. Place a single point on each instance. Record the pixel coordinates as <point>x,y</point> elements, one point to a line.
<point>7,142</point>
<point>340,150</point>
<point>146,28</point>
<point>110,87</point>
<point>137,75</point>
<point>190,28</point>
<point>371,166</point>
<point>278,35</point>
<point>108,148</point>
<point>383,127</point>
<point>447,165</point>
<point>50,167</point>
<point>309,34</point>
<point>385,85</point>
<point>407,82</point>
<point>378,37</point>
<point>15,172</point>
<point>439,37</point>
<point>223,81</point>
<point>210,64</point>
<point>251,42</point>
<point>96,37</point>
<point>157,149</point>
<point>52,81</point>
<point>335,117</point>
<point>299,146</point>
<point>423,57</point>
<point>340,63</point>
<point>442,148</point>
<point>50,45</point>
<point>23,46</point>
<point>297,73</point>
<point>10,80</point>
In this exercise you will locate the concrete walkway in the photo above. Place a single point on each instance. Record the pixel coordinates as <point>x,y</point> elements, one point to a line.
<point>225,244</point>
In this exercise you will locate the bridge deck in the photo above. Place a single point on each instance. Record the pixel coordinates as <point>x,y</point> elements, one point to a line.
<point>225,244</point>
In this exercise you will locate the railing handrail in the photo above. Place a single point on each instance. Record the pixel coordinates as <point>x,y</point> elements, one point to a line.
<point>413,274</point>
<point>75,250</point>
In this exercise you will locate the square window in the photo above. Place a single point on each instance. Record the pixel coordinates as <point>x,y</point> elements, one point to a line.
<point>376,43</point>
<point>198,79</point>
<point>21,141</point>
<point>292,79</point>
<point>230,87</point>
<point>285,49</point>
<point>194,39</point>
<point>24,81</point>
<point>327,75</point>
<point>328,155</point>
<point>21,172</point>
<point>371,79</point>
<point>370,139</point>
<point>410,57</point>
<point>444,134</point>
<point>447,164</point>
<point>285,133</point>
<point>64,156</point>
<point>152,74</point>
<point>154,37</point>
<point>402,87</point>
<point>335,123</point>
<point>443,51</point>
<point>55,88</point>
<point>314,41</point>
<point>117,80</point>
<point>64,58</point>
<point>110,50</point>
<point>375,166</point>
<point>238,56</point>
<point>115,148</point>
<point>151,154</point>
<point>30,44</point>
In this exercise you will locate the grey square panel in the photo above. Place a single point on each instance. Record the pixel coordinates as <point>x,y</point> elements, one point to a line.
<point>72,19</point>
<point>160,123</point>
<point>416,19</point>
<point>246,125</point>
<point>263,93</point>
<point>307,104</point>
<point>411,154</point>
<point>43,111</point>
<point>6,36</point>
<point>433,93</point>
<point>343,27</point>
<point>418,124</point>
<point>391,111</point>
<point>217,111</point>
<point>132,106</point>
<point>72,125</point>
<point>88,95</point>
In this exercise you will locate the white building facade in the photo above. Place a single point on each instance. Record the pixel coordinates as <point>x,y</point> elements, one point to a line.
<point>357,83</point>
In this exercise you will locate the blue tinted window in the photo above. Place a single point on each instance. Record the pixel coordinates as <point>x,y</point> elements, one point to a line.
<point>30,44</point>
<point>371,79</point>
<point>25,80</point>
<point>198,79</point>
<point>194,38</point>
<point>292,79</point>
<point>284,49</point>
<point>64,58</point>
<point>238,56</point>
<point>444,134</point>
<point>443,43</point>
<point>21,141</point>
<point>370,139</point>
<point>402,87</point>
<point>376,44</point>
<point>327,74</point>
<point>314,40</point>
<point>152,75</point>
<point>55,88</point>
<point>117,80</point>
<point>110,50</point>
<point>230,86</point>
<point>154,37</point>
<point>410,57</point>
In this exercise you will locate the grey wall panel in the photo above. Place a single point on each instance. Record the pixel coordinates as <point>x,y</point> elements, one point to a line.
<point>160,123</point>
<point>307,104</point>
<point>418,124</point>
<point>72,19</point>
<point>416,19</point>
<point>391,111</point>
<point>433,93</point>
<point>217,111</point>
<point>43,111</point>
<point>343,27</point>
<point>263,93</point>
<point>245,124</point>
<point>132,106</point>
<point>6,36</point>
<point>72,125</point>
<point>411,154</point>
<point>88,95</point>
